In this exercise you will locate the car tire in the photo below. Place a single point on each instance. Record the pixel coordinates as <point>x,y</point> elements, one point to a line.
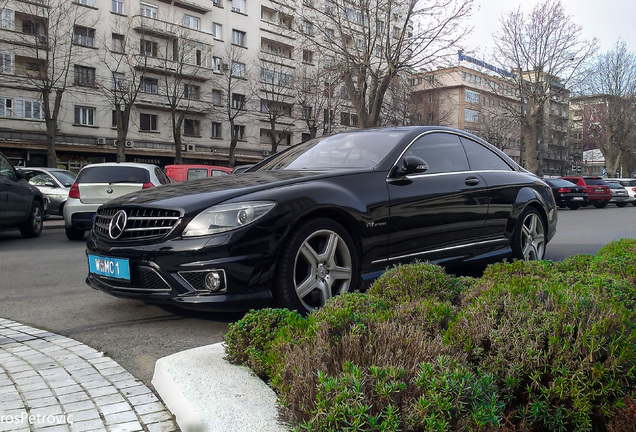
<point>74,233</point>
<point>574,207</point>
<point>318,261</point>
<point>601,204</point>
<point>621,204</point>
<point>34,224</point>
<point>529,238</point>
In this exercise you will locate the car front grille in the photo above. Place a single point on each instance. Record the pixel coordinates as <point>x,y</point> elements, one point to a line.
<point>141,224</point>
<point>142,278</point>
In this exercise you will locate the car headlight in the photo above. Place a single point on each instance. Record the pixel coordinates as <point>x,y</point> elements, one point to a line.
<point>226,217</point>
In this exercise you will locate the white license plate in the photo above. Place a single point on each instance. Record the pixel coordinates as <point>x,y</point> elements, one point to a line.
<point>110,267</point>
<point>577,198</point>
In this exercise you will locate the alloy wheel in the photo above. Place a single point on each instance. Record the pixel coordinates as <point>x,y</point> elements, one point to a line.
<point>532,237</point>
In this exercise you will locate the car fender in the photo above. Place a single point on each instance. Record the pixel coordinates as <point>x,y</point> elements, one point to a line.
<point>528,196</point>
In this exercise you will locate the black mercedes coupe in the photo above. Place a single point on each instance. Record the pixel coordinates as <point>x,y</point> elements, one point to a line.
<point>319,219</point>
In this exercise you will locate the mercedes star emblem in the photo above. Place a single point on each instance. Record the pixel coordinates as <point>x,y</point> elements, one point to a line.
<point>117,225</point>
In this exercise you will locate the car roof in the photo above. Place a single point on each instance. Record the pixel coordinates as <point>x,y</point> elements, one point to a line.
<point>122,164</point>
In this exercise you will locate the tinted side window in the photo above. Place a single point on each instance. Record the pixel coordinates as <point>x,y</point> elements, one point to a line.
<point>481,158</point>
<point>163,178</point>
<point>6,169</point>
<point>442,152</point>
<point>217,173</point>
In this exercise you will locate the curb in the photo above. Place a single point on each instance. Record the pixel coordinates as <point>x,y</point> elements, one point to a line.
<point>207,393</point>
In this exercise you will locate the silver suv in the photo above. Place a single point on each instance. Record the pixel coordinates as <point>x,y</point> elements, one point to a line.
<point>99,183</point>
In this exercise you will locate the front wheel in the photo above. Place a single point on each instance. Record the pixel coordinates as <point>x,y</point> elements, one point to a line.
<point>529,241</point>
<point>574,207</point>
<point>33,225</point>
<point>319,261</point>
<point>621,204</point>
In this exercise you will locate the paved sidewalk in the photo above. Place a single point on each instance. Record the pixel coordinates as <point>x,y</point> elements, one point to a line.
<point>52,383</point>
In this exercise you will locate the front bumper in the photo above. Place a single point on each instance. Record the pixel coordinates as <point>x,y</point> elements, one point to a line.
<point>174,272</point>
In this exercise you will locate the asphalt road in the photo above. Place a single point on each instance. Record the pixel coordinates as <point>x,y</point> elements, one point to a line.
<point>42,285</point>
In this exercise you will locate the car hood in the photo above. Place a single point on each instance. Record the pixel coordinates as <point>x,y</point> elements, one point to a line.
<point>194,195</point>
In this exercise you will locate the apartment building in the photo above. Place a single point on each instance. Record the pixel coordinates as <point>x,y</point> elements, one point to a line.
<point>471,100</point>
<point>198,72</point>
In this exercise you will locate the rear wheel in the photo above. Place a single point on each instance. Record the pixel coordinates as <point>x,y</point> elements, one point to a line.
<point>622,204</point>
<point>601,204</point>
<point>74,233</point>
<point>574,206</point>
<point>33,225</point>
<point>529,239</point>
<point>318,262</point>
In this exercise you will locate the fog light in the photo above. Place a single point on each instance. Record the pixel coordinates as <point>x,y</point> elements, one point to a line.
<point>213,281</point>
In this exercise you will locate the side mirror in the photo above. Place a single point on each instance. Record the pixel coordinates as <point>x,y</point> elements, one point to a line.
<point>20,174</point>
<point>412,165</point>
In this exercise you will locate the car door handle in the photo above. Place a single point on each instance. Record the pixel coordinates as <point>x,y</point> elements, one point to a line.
<point>471,181</point>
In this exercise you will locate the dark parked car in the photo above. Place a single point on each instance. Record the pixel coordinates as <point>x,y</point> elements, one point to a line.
<point>21,204</point>
<point>598,192</point>
<point>320,218</point>
<point>567,194</point>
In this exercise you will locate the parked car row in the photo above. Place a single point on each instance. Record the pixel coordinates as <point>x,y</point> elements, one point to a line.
<point>576,191</point>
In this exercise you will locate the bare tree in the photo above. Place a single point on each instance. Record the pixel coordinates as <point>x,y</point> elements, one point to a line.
<point>125,66</point>
<point>611,113</point>
<point>372,41</point>
<point>53,38</point>
<point>546,52</point>
<point>233,99</point>
<point>276,93</point>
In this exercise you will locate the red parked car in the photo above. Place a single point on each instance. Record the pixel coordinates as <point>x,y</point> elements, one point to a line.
<point>598,192</point>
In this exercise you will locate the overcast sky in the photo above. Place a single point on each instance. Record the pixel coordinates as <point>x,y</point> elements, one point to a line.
<point>607,20</point>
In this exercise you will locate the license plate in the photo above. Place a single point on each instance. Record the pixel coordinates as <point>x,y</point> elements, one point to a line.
<point>110,267</point>
<point>577,198</point>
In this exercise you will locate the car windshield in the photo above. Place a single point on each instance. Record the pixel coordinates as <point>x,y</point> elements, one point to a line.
<point>342,151</point>
<point>65,177</point>
<point>615,185</point>
<point>113,174</point>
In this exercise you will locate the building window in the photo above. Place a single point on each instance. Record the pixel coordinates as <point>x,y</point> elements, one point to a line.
<point>308,28</point>
<point>148,10</point>
<point>471,96</point>
<point>147,122</point>
<point>217,3</point>
<point>86,2</point>
<point>471,116</point>
<point>25,108</point>
<point>118,81</point>
<point>431,117</point>
<point>217,62</point>
<point>238,101</point>
<point>238,70</point>
<point>6,19</point>
<point>354,120</point>
<point>431,98</point>
<point>306,111</point>
<point>117,6</point>
<point>216,97</point>
<point>239,132</point>
<point>217,30</point>
<point>149,85</point>
<point>30,27</point>
<point>216,130</point>
<point>238,6</point>
<point>84,116</point>
<point>345,119</point>
<point>191,22</point>
<point>118,42</point>
<point>191,127</point>
<point>6,63</point>
<point>84,36</point>
<point>84,76</point>
<point>308,56</point>
<point>330,7</point>
<point>6,107</point>
<point>114,118</point>
<point>149,48</point>
<point>191,92</point>
<point>238,37</point>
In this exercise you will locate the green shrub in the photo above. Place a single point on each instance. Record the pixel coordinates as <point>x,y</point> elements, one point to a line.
<point>530,346</point>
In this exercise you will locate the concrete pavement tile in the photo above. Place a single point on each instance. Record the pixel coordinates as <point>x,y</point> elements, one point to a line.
<point>143,399</point>
<point>120,417</point>
<point>167,426</point>
<point>74,397</point>
<point>22,375</point>
<point>119,377</point>
<point>126,427</point>
<point>149,408</point>
<point>79,406</point>
<point>124,384</point>
<point>89,425</point>
<point>33,386</point>
<point>109,399</point>
<point>137,390</point>
<point>41,402</point>
<point>56,428</point>
<point>12,405</point>
<point>89,414</point>
<point>68,389</point>
<point>102,391</point>
<point>38,394</point>
<point>99,381</point>
<point>157,417</point>
<point>45,412</point>
<point>115,408</point>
